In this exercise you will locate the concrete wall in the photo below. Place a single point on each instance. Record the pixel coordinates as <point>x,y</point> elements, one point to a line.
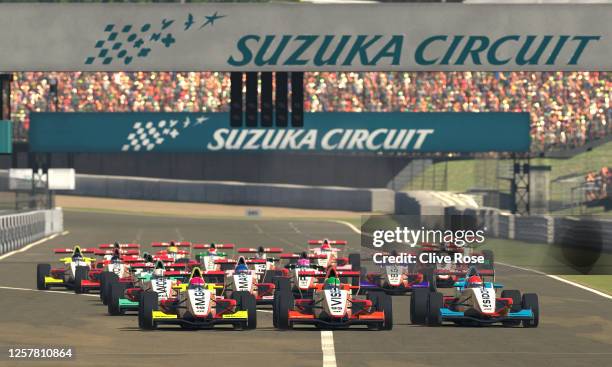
<point>238,193</point>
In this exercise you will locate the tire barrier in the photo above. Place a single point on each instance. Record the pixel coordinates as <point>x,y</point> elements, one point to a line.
<point>20,229</point>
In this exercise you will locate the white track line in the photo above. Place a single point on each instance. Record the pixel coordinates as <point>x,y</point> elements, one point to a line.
<point>327,346</point>
<point>32,245</point>
<point>294,227</point>
<point>45,291</point>
<point>594,291</point>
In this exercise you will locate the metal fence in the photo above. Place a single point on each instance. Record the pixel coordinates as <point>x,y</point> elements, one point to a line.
<point>20,229</point>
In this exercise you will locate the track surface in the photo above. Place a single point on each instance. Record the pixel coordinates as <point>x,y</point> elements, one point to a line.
<point>575,327</point>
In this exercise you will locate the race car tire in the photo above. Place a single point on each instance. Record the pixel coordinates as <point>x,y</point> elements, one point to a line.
<point>436,302</point>
<point>245,301</point>
<point>116,292</point>
<point>355,261</point>
<point>386,305</point>
<point>283,305</point>
<point>105,282</point>
<point>148,303</point>
<point>516,305</point>
<point>430,277</point>
<point>419,301</point>
<point>42,271</point>
<point>282,285</point>
<point>530,301</point>
<point>80,273</point>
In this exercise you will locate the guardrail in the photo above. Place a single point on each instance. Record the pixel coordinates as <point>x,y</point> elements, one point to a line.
<point>594,233</point>
<point>18,230</point>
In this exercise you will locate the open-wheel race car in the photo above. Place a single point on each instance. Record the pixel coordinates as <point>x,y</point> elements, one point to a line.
<point>124,293</point>
<point>196,305</point>
<point>332,304</point>
<point>72,275</point>
<point>475,303</point>
<point>397,279</point>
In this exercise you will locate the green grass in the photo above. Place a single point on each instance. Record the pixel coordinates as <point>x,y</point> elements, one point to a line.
<point>462,174</point>
<point>601,283</point>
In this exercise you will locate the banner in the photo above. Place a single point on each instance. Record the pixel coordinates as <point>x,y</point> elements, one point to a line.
<point>305,37</point>
<point>332,132</point>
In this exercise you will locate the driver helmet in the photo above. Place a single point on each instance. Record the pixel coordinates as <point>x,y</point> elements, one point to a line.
<point>159,269</point>
<point>474,282</point>
<point>332,282</point>
<point>325,245</point>
<point>172,249</point>
<point>76,255</point>
<point>196,282</point>
<point>303,262</point>
<point>241,268</point>
<point>261,253</point>
<point>116,245</point>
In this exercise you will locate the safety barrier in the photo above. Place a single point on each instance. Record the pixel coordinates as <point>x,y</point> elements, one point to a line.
<point>20,229</point>
<point>594,233</point>
<point>237,193</point>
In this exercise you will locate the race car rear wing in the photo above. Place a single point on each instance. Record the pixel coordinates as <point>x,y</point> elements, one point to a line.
<point>121,252</point>
<point>202,246</point>
<point>121,245</point>
<point>297,256</point>
<point>331,242</point>
<point>267,250</point>
<point>89,250</point>
<point>167,244</point>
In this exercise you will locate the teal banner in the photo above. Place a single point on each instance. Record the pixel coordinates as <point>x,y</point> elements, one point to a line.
<point>322,132</point>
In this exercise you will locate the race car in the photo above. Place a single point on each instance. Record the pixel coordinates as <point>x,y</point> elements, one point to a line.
<point>449,273</point>
<point>125,292</point>
<point>173,250</point>
<point>329,254</point>
<point>265,266</point>
<point>301,273</point>
<point>196,306</point>
<point>475,303</point>
<point>332,305</point>
<point>209,258</point>
<point>243,279</point>
<point>398,278</point>
<point>74,272</point>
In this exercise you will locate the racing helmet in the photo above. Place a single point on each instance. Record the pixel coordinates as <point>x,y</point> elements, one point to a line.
<point>241,268</point>
<point>474,282</point>
<point>76,254</point>
<point>159,269</point>
<point>172,249</point>
<point>196,282</point>
<point>303,262</point>
<point>116,244</point>
<point>325,245</point>
<point>332,282</point>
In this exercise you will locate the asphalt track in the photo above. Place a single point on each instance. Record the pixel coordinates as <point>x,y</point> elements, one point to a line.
<point>575,327</point>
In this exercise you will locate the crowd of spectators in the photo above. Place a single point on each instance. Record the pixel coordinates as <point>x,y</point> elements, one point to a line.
<point>597,184</point>
<point>567,109</point>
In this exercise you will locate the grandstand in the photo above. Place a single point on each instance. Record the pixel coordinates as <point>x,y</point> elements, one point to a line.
<point>568,110</point>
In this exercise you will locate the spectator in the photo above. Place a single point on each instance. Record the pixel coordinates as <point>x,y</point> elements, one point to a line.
<point>567,109</point>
